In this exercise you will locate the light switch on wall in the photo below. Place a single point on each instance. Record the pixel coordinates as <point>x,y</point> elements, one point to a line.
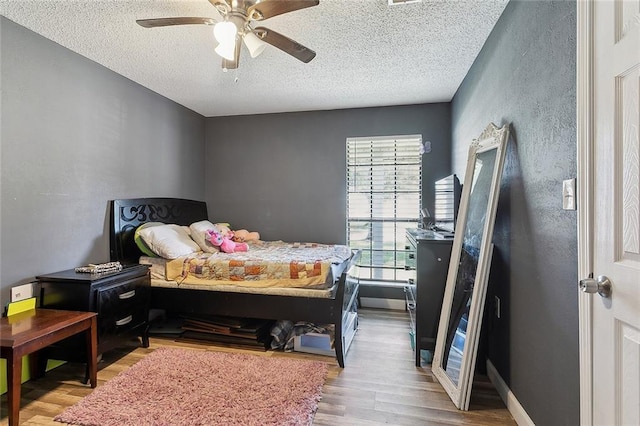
<point>569,194</point>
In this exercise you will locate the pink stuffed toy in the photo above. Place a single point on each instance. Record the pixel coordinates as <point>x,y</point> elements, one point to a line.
<point>224,243</point>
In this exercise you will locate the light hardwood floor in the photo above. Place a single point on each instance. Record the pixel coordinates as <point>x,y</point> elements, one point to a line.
<point>379,384</point>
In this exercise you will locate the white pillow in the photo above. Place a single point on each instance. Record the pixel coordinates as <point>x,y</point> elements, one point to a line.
<point>199,235</point>
<point>169,241</point>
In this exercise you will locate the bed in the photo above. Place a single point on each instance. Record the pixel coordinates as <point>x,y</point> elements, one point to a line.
<point>335,304</point>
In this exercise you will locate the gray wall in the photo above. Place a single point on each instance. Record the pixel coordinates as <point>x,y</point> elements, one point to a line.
<point>525,75</point>
<point>74,135</point>
<point>284,174</point>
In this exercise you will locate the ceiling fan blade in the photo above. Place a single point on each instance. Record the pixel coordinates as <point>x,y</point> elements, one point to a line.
<point>285,44</point>
<point>270,8</point>
<point>165,22</point>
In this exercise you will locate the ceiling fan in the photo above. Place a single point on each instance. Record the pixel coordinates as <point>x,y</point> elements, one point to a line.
<point>236,27</point>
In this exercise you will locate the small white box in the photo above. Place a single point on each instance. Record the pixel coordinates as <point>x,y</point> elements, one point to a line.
<point>21,292</point>
<point>314,343</point>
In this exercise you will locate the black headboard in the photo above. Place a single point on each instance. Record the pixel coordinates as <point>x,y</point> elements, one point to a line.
<point>127,215</point>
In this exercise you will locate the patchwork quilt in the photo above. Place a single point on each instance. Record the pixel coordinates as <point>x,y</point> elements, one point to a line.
<point>265,264</point>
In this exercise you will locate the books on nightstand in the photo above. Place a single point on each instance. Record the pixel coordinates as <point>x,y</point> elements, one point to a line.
<point>99,268</point>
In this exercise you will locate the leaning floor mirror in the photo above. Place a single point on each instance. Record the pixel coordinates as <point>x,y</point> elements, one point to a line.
<point>462,308</point>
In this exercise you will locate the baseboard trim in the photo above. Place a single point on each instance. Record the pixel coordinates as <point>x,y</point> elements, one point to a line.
<point>375,302</point>
<point>517,411</point>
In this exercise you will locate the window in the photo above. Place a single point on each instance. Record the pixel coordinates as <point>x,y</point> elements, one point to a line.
<point>384,196</point>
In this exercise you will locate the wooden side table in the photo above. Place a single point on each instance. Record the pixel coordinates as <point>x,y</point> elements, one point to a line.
<point>27,332</point>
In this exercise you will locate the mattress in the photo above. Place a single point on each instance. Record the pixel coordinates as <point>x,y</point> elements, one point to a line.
<point>157,267</point>
<point>274,267</point>
<point>327,293</point>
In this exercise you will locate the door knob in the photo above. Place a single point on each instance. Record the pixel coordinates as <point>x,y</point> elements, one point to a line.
<point>602,285</point>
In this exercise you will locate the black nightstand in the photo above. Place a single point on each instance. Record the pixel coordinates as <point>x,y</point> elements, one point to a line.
<point>121,300</point>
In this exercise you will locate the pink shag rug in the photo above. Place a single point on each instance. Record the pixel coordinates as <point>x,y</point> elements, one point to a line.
<point>189,387</point>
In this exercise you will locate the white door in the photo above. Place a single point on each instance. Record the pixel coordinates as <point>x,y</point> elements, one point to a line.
<point>614,340</point>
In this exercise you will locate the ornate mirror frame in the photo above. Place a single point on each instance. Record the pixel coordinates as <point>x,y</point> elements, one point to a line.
<point>455,353</point>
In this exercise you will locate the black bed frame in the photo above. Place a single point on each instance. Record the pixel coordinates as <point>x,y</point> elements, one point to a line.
<point>126,215</point>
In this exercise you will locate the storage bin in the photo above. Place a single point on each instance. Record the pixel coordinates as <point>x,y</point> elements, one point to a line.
<point>314,343</point>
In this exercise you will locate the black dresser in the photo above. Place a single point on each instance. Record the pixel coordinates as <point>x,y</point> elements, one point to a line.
<point>121,300</point>
<point>427,257</point>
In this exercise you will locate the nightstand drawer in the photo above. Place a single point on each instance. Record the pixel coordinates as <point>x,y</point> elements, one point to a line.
<point>112,322</point>
<point>119,305</point>
<point>122,296</point>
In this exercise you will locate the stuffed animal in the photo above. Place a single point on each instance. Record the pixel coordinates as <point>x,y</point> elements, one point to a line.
<point>242,235</point>
<point>224,243</point>
<point>224,229</point>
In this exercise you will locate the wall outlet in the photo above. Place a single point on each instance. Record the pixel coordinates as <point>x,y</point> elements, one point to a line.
<point>497,306</point>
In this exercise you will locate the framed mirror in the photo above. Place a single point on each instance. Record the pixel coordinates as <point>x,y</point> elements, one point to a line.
<point>462,308</point>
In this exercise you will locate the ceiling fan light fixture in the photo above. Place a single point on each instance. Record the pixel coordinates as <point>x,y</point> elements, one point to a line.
<point>227,51</point>
<point>254,44</point>
<point>225,32</point>
<point>236,26</point>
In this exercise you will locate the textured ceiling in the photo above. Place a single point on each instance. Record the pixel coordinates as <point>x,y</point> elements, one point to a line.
<point>368,53</point>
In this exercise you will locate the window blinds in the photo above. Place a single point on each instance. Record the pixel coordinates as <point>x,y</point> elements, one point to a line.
<point>384,196</point>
